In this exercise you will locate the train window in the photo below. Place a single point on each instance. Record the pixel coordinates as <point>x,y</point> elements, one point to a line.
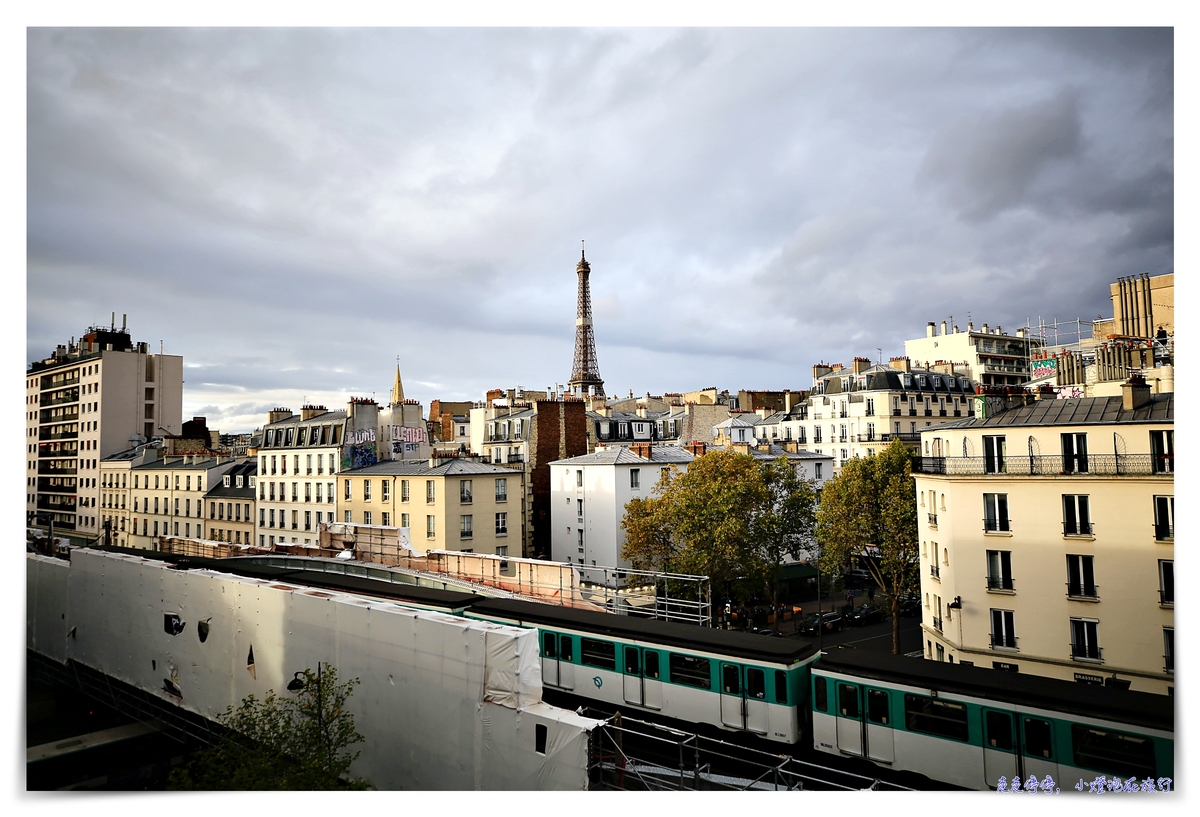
<point>877,706</point>
<point>602,654</point>
<point>689,670</point>
<point>731,679</point>
<point>820,694</point>
<point>848,700</point>
<point>933,717</point>
<point>1038,737</point>
<point>999,730</point>
<point>565,652</point>
<point>1113,752</point>
<point>650,660</point>
<point>548,650</point>
<point>632,664</point>
<point>780,686</point>
<point>756,684</point>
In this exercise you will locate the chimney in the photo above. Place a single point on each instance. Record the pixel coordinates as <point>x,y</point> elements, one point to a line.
<point>741,448</point>
<point>1135,393</point>
<point>943,327</point>
<point>821,369</point>
<point>999,331</point>
<point>985,329</point>
<point>277,414</point>
<point>696,448</point>
<point>791,446</point>
<point>902,364</point>
<point>787,401</point>
<point>642,450</point>
<point>930,329</point>
<point>308,412</point>
<point>970,326</point>
<point>861,364</point>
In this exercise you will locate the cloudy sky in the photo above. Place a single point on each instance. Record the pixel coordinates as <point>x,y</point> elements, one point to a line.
<point>293,210</point>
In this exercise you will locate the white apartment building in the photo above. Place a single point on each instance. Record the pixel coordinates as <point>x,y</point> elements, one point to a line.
<point>116,480</point>
<point>298,461</point>
<point>990,357</point>
<point>1047,539</point>
<point>86,401</point>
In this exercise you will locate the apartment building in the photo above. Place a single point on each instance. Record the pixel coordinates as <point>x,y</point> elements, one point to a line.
<point>86,401</point>
<point>116,480</point>
<point>298,461</point>
<point>989,357</point>
<point>446,503</point>
<point>1047,539</point>
<point>229,505</point>
<point>166,496</point>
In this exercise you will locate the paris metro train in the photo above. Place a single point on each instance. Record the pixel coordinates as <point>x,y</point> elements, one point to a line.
<point>963,725</point>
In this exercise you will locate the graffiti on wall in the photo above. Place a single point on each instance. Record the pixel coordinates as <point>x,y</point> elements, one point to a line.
<point>359,456</point>
<point>1044,368</point>
<point>404,434</point>
<point>360,436</point>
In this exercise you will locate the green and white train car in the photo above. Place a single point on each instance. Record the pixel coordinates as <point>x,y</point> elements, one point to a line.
<point>735,681</point>
<point>971,726</point>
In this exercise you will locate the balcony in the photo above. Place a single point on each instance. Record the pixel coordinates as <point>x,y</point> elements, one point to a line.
<point>937,623</point>
<point>1083,528</point>
<point>933,520</point>
<point>941,412</point>
<point>912,412</point>
<point>1106,465</point>
<point>1003,641</point>
<point>1085,652</point>
<point>1083,592</point>
<point>1166,598</point>
<point>1000,584</point>
<point>70,397</point>
<point>935,572</point>
<point>1000,525</point>
<point>1164,533</point>
<point>515,458</point>
<point>928,412</point>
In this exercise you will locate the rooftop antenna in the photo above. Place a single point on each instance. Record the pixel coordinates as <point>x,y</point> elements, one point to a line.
<point>880,350</point>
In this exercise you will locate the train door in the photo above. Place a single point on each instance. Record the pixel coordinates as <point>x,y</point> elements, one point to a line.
<point>1038,753</point>
<point>1000,756</point>
<point>652,695</point>
<point>557,656</point>
<point>632,679</point>
<point>732,709</point>
<point>849,719</point>
<point>756,707</point>
<point>880,735</point>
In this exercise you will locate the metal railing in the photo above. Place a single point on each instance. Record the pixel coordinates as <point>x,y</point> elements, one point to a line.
<point>999,583</point>
<point>1041,465</point>
<point>1161,532</point>
<point>1000,525</point>
<point>1166,598</point>
<point>1083,591</point>
<point>933,519</point>
<point>1086,651</point>
<point>1004,641</point>
<point>935,572</point>
<point>1077,529</point>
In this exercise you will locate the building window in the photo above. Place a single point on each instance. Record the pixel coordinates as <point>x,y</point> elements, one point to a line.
<point>1074,453</point>
<point>295,520</point>
<point>502,552</point>
<point>262,517</point>
<point>999,564</point>
<point>366,517</point>
<point>816,434</point>
<point>1085,642</point>
<point>502,524</point>
<point>318,492</point>
<point>817,470</point>
<point>579,509</point>
<point>308,492</point>
<point>366,490</point>
<point>465,531</point>
<point>995,513</point>
<point>308,520</point>
<point>349,517</point>
<point>1076,518</point>
<point>404,490</point>
<point>579,479</point>
<point>502,490</point>
<point>580,539</point>
<point>1169,649</point>
<point>993,455</point>
<point>1164,518</point>
<point>1162,451</point>
<point>347,482</point>
<point>329,492</point>
<point>1081,576</point>
<point>295,492</point>
<point>635,478</point>
<point>386,492</point>
<point>464,491</point>
<point>430,495</point>
<point>430,527</point>
<point>404,520</point>
<point>1003,632</point>
<point>1166,581</point>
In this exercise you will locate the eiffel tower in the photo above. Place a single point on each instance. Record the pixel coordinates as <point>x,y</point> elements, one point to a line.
<point>585,372</point>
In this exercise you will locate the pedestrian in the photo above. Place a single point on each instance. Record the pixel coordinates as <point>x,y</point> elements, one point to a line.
<point>871,593</point>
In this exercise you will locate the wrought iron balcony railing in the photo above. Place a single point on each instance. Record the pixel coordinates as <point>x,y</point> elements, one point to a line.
<point>1106,465</point>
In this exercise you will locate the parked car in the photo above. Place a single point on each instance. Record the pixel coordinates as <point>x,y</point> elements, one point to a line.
<point>856,578</point>
<point>910,607</point>
<point>867,614</point>
<point>831,622</point>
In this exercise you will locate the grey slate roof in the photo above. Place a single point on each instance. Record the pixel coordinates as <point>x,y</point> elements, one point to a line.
<point>453,467</point>
<point>1076,412</point>
<point>621,455</point>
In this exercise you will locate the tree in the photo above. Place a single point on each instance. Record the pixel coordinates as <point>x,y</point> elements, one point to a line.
<point>870,509</point>
<point>727,517</point>
<point>293,742</point>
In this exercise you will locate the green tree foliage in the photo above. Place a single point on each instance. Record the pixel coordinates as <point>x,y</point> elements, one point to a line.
<point>870,509</point>
<point>297,741</point>
<point>727,517</point>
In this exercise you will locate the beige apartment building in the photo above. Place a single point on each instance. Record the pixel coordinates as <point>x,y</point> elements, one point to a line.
<point>987,356</point>
<point>166,496</point>
<point>1047,539</point>
<point>89,400</point>
<point>447,504</point>
<point>229,505</point>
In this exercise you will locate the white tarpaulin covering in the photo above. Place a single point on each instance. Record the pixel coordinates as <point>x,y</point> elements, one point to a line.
<point>444,702</point>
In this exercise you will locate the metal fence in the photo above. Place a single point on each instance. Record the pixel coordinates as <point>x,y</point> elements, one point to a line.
<point>1052,465</point>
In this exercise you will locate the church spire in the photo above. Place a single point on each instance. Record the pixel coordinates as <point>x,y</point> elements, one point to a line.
<point>397,387</point>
